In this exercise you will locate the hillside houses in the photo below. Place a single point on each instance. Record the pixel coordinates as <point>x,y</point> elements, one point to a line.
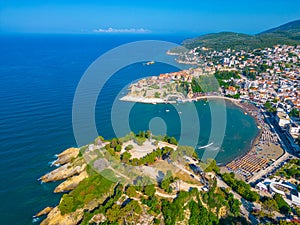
<point>270,75</point>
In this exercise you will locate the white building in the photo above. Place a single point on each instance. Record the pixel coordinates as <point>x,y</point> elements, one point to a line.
<point>282,119</point>
<point>294,129</point>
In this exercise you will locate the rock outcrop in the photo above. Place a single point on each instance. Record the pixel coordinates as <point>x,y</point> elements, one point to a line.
<point>63,172</point>
<point>66,156</point>
<point>55,217</point>
<point>71,183</point>
<point>73,170</point>
<point>45,211</point>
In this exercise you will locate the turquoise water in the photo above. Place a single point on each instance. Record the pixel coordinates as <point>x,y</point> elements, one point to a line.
<point>38,79</point>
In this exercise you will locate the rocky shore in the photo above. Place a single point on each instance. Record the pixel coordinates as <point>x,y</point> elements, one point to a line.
<point>55,218</point>
<point>72,169</point>
<point>66,156</point>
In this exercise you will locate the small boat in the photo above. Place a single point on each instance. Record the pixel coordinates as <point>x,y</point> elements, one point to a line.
<point>149,63</point>
<point>245,113</point>
<point>206,146</point>
<point>167,110</point>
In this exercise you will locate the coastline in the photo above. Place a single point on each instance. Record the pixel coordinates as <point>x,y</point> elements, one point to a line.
<point>259,154</point>
<point>255,140</point>
<point>235,102</point>
<point>130,98</point>
<point>259,149</point>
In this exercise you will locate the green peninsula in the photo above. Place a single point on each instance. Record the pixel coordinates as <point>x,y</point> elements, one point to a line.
<point>139,179</point>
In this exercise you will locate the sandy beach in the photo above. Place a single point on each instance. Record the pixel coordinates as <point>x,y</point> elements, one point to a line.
<point>129,98</point>
<point>264,149</point>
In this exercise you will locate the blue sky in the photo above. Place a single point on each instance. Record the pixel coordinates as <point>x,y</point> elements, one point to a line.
<point>164,16</point>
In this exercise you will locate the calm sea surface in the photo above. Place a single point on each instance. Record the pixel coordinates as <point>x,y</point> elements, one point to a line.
<point>38,78</point>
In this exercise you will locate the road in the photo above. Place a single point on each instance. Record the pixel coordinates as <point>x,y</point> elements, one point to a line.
<point>285,142</point>
<point>245,204</point>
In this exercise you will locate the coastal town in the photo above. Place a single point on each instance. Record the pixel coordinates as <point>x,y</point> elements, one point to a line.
<point>266,84</point>
<point>150,112</point>
<point>267,78</point>
<point>150,174</point>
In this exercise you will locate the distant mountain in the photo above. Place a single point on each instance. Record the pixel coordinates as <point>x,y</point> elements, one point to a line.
<point>289,30</point>
<point>285,34</point>
<point>291,27</point>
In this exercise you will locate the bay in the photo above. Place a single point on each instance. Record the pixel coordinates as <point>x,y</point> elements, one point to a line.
<point>38,79</point>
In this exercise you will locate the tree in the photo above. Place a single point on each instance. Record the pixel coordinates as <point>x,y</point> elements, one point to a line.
<point>157,95</point>
<point>240,187</point>
<point>196,86</point>
<point>125,157</point>
<point>142,181</point>
<point>297,211</point>
<point>118,148</point>
<point>199,214</point>
<point>211,165</point>
<point>269,206</point>
<point>113,142</point>
<point>165,184</point>
<point>234,205</point>
<point>284,208</point>
<point>112,214</point>
<point>132,206</point>
<point>128,147</point>
<point>294,113</point>
<point>269,107</point>
<point>148,134</point>
<point>150,190</point>
<point>131,191</point>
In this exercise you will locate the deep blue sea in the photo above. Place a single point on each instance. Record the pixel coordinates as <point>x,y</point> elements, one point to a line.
<point>38,78</point>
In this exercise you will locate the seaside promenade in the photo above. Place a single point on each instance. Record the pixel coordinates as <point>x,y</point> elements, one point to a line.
<point>130,98</point>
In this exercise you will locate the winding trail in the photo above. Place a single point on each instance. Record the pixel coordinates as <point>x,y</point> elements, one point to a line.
<point>165,195</point>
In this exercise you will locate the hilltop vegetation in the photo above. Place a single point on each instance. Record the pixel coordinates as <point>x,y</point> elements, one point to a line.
<point>101,198</point>
<point>288,34</point>
<point>170,197</point>
<point>290,29</point>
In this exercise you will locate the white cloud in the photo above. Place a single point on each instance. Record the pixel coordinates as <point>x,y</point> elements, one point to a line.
<point>126,30</point>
